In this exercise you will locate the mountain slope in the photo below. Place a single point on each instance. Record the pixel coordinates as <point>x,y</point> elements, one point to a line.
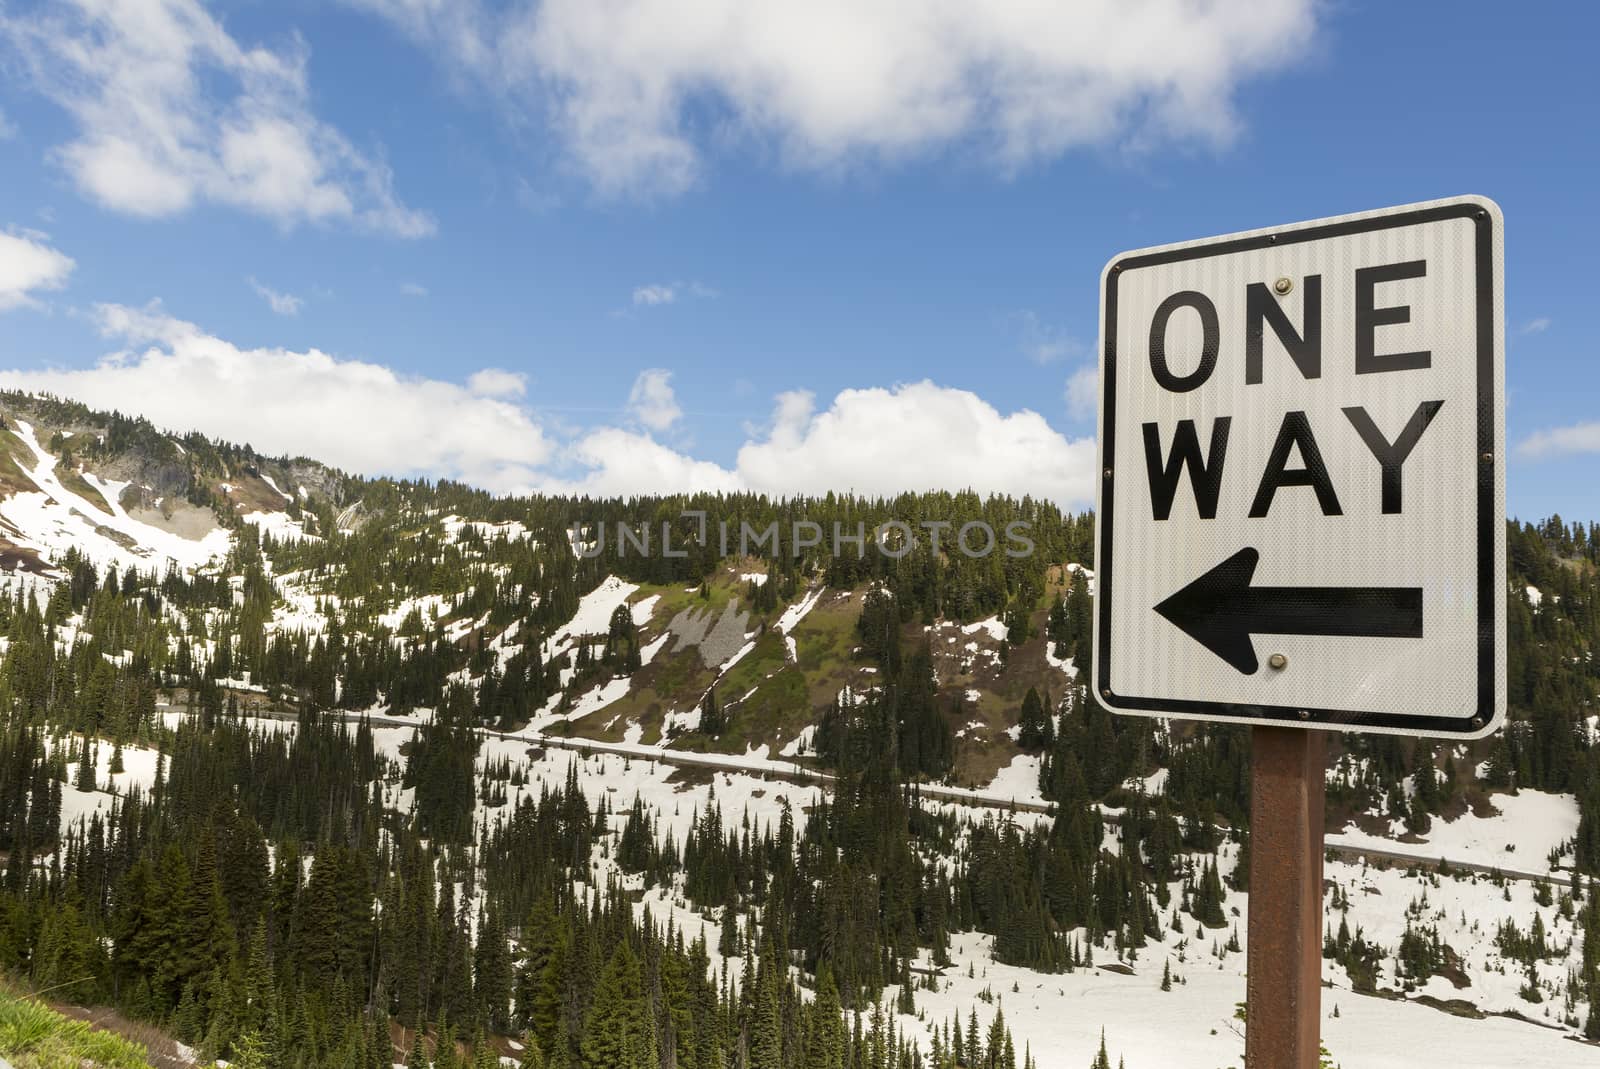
<point>398,672</point>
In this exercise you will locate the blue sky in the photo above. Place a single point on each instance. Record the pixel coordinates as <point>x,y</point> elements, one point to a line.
<point>661,226</point>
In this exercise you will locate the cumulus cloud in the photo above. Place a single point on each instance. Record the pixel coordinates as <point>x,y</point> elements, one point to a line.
<point>652,401</point>
<point>413,289</point>
<point>367,418</point>
<point>170,110</point>
<point>617,462</point>
<point>640,88</point>
<point>28,264</point>
<point>1561,441</point>
<point>284,304</point>
<point>360,416</point>
<point>913,437</point>
<point>918,436</point>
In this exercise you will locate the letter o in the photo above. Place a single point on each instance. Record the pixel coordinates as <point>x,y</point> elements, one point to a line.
<point>906,543</point>
<point>1209,344</point>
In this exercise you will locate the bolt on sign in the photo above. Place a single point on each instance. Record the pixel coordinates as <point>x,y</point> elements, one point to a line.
<point>1301,514</point>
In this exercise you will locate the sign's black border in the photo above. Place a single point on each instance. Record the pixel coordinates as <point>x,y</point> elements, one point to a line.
<point>1489,523</point>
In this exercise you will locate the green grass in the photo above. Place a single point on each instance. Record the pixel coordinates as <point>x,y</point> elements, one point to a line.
<point>674,598</point>
<point>677,680</point>
<point>777,709</point>
<point>767,657</point>
<point>827,634</point>
<point>11,474</point>
<point>824,647</point>
<point>33,1036</point>
<point>671,681</point>
<point>71,478</point>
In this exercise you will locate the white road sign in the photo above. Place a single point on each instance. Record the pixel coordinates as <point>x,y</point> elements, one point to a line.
<point>1301,515</point>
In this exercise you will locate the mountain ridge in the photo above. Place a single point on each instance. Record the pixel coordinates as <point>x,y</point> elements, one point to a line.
<point>387,675</point>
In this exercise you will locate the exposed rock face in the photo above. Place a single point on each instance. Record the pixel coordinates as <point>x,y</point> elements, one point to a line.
<point>154,474</point>
<point>718,637</point>
<point>187,485</point>
<point>318,480</point>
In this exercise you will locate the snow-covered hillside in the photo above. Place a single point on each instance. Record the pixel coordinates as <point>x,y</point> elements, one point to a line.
<point>751,685</point>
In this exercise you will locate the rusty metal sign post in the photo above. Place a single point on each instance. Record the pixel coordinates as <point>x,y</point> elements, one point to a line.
<point>1284,986</point>
<point>1300,522</point>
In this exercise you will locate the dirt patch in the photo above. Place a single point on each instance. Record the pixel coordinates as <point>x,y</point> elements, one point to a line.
<point>1454,809</point>
<point>178,518</point>
<point>1455,1007</point>
<point>111,534</point>
<point>14,558</point>
<point>1482,805</point>
<point>686,778</point>
<point>161,1050</point>
<point>248,492</point>
<point>1372,823</point>
<point>1000,677</point>
<point>1453,969</point>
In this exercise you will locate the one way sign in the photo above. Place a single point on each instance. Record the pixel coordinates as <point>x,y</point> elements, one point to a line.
<point>1301,514</point>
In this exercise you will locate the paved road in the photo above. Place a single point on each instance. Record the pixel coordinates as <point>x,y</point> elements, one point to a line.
<point>798,773</point>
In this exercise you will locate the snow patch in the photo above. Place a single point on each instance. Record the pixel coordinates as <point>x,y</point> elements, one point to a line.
<point>1519,838</point>
<point>992,627</point>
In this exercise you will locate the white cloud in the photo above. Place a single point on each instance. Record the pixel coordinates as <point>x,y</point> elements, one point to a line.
<point>639,89</point>
<point>655,294</point>
<point>365,417</point>
<point>496,382</point>
<point>652,401</point>
<point>622,463</point>
<point>1561,441</point>
<point>1083,392</point>
<point>171,110</point>
<point>1536,326</point>
<point>668,292</point>
<point>27,264</point>
<point>359,416</point>
<point>284,304</point>
<point>913,437</point>
<point>919,436</point>
<point>7,130</point>
<point>413,289</point>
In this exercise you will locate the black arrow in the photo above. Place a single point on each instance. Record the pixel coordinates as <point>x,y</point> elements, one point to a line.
<point>1221,610</point>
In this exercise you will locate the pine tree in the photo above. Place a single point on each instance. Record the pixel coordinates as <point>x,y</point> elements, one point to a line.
<point>249,1052</point>
<point>532,1054</point>
<point>1033,722</point>
<point>826,1047</point>
<point>616,1033</point>
<point>1101,1060</point>
<point>85,780</point>
<point>418,1059</point>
